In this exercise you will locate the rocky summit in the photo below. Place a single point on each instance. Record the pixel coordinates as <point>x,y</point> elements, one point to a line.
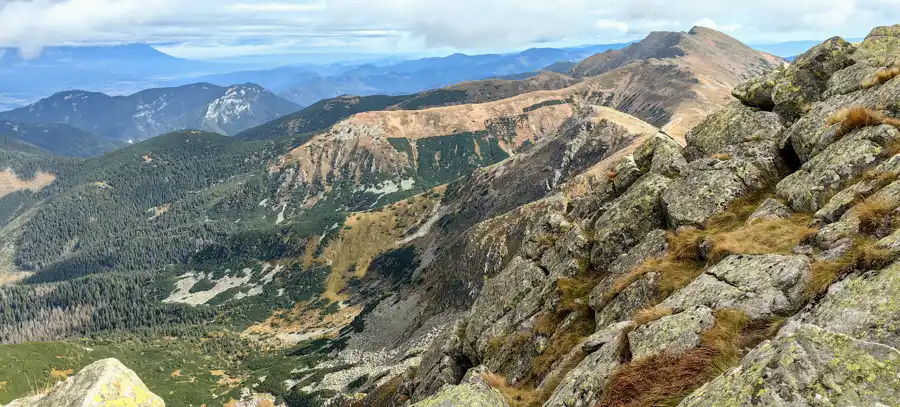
<point>681,222</point>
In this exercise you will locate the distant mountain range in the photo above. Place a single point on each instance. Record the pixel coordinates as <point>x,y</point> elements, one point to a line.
<point>306,85</point>
<point>223,110</point>
<point>303,79</point>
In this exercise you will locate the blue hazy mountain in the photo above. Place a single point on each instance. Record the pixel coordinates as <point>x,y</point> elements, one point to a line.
<point>203,106</point>
<point>306,84</point>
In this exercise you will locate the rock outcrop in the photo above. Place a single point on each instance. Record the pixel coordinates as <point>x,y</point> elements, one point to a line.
<point>103,383</point>
<point>694,257</point>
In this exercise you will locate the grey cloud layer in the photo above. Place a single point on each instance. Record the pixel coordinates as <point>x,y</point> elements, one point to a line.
<point>392,25</point>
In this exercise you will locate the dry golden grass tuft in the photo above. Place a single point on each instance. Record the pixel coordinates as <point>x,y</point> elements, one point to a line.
<point>515,396</point>
<point>764,236</point>
<point>863,255</point>
<point>648,315</point>
<point>659,380</point>
<point>665,379</point>
<point>854,118</point>
<point>726,233</point>
<point>883,75</point>
<point>872,213</point>
<point>722,156</point>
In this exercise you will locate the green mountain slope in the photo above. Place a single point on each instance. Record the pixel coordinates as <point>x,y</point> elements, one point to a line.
<point>325,113</point>
<point>59,139</point>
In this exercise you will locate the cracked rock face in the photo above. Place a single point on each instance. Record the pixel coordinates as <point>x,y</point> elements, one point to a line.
<point>759,285</point>
<point>866,307</point>
<point>473,392</point>
<point>629,219</point>
<point>672,334</point>
<point>810,367</point>
<point>583,385</point>
<point>827,173</point>
<point>733,125</point>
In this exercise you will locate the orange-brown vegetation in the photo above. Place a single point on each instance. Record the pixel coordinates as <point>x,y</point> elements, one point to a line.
<point>10,182</point>
<point>883,75</point>
<point>665,379</point>
<point>854,118</point>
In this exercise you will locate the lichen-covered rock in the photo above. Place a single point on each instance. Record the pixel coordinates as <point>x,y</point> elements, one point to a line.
<point>849,223</point>
<point>733,125</point>
<point>627,173</point>
<point>103,383</point>
<point>443,363</point>
<point>829,171</point>
<point>569,253</point>
<point>672,334</point>
<point>841,202</point>
<point>759,285</point>
<point>810,367</point>
<point>660,154</point>
<point>472,392</point>
<point>881,47</point>
<point>507,300</point>
<point>640,294</point>
<point>804,80</point>
<point>757,92</point>
<point>654,244</point>
<point>628,219</point>
<point>583,385</point>
<point>811,134</point>
<point>890,242</point>
<point>768,210</point>
<point>866,307</point>
<point>709,186</point>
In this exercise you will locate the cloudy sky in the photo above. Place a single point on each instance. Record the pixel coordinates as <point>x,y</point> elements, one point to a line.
<point>221,28</point>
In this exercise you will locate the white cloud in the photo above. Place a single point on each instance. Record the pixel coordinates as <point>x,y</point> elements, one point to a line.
<point>607,25</point>
<point>709,23</point>
<point>277,7</point>
<point>240,26</point>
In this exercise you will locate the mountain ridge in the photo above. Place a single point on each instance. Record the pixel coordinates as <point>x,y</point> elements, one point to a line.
<point>156,111</point>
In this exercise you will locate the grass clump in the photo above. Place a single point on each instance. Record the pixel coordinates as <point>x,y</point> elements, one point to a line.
<point>650,314</point>
<point>761,237</point>
<point>574,292</point>
<point>665,379</point>
<point>514,395</point>
<point>854,118</point>
<point>864,254</point>
<point>883,75</point>
<point>872,213</point>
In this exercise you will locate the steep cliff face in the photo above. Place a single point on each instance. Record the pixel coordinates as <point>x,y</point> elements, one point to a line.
<point>754,266</point>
